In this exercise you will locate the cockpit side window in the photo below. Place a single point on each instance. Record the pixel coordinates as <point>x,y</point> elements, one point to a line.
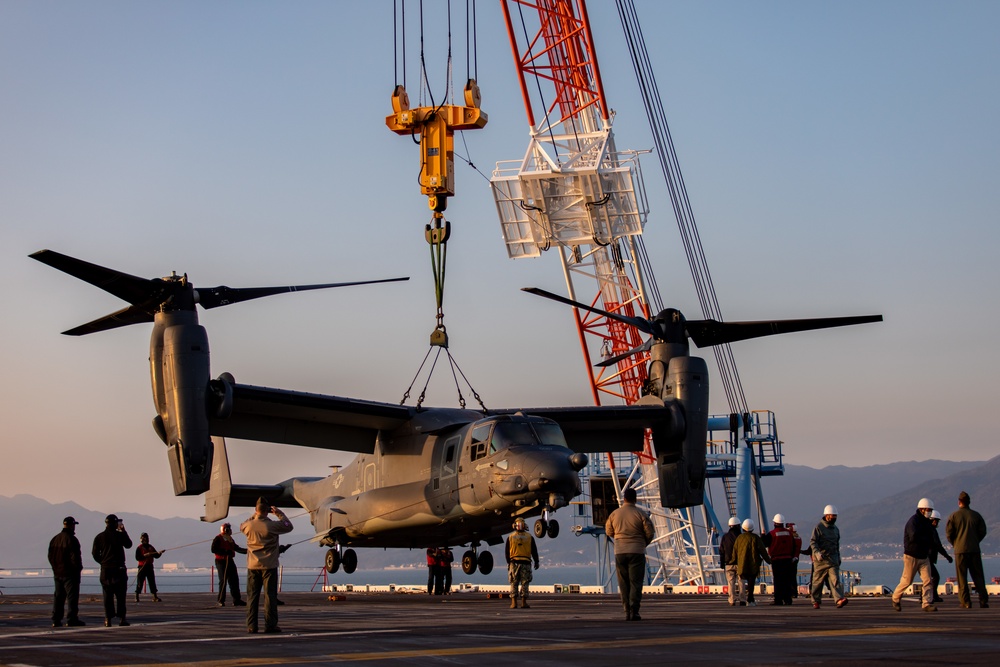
<point>479,441</point>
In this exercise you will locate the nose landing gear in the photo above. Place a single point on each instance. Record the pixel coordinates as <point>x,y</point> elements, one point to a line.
<point>546,526</point>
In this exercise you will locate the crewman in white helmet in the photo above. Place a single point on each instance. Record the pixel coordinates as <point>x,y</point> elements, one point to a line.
<point>938,549</point>
<point>825,546</point>
<point>918,541</point>
<point>725,555</point>
<point>748,553</point>
<point>783,545</point>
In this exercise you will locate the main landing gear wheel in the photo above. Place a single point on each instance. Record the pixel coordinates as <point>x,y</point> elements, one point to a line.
<point>553,530</point>
<point>332,563</point>
<point>350,560</point>
<point>469,562</point>
<point>541,527</point>
<point>485,562</point>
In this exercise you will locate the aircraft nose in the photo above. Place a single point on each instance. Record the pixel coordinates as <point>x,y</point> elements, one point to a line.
<point>557,474</point>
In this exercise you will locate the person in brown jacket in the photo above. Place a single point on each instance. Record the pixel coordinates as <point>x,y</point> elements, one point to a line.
<point>748,553</point>
<point>262,563</point>
<point>632,531</point>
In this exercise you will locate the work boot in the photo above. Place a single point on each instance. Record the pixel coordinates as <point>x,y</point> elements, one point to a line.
<point>524,602</point>
<point>137,596</point>
<point>156,598</point>
<point>75,623</point>
<point>513,602</point>
<point>123,623</point>
<point>239,603</point>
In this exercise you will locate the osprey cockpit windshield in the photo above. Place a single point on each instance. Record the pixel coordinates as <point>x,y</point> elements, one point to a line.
<point>496,434</point>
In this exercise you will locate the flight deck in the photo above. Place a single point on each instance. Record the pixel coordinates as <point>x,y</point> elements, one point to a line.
<point>473,629</point>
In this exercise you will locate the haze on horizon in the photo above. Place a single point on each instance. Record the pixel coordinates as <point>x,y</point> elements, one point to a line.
<point>840,159</point>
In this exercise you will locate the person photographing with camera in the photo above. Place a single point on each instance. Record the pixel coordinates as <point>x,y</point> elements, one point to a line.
<point>109,550</point>
<point>262,563</point>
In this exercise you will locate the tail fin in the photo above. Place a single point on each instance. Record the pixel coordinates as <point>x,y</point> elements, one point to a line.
<point>222,492</point>
<point>221,485</point>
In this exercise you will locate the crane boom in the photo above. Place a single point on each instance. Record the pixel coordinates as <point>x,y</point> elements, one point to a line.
<point>576,193</point>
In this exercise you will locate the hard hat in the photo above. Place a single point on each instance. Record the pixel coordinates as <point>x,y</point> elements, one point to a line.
<point>935,515</point>
<point>748,525</point>
<point>830,509</point>
<point>110,520</point>
<point>519,524</point>
<point>925,504</point>
<point>733,521</point>
<point>778,518</point>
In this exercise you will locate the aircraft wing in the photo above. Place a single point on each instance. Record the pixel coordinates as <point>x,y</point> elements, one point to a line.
<point>618,428</point>
<point>307,420</point>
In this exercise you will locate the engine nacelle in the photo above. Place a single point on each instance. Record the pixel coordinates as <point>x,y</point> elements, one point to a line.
<point>179,357</point>
<point>681,460</point>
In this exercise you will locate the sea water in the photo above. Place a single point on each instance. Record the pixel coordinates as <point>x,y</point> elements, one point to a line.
<point>871,572</point>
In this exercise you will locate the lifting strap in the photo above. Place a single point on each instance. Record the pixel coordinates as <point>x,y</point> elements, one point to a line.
<point>437,237</point>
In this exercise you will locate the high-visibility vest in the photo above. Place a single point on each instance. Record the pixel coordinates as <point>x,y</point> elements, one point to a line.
<point>520,546</point>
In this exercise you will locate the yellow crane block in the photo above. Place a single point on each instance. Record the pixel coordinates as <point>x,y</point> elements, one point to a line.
<point>436,127</point>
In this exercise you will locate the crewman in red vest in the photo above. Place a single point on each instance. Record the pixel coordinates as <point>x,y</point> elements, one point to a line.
<point>783,550</point>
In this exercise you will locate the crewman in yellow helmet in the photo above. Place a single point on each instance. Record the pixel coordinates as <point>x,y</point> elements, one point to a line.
<point>520,552</point>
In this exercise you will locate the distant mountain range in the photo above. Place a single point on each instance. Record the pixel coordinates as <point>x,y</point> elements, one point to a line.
<point>874,502</point>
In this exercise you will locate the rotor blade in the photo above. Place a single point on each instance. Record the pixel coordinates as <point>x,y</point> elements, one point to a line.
<point>639,323</point>
<point>610,361</point>
<point>706,333</point>
<point>129,288</point>
<point>214,297</point>
<point>123,318</point>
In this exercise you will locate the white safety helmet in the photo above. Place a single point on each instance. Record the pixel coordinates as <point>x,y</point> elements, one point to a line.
<point>748,525</point>
<point>830,509</point>
<point>733,521</point>
<point>925,504</point>
<point>935,515</point>
<point>778,518</point>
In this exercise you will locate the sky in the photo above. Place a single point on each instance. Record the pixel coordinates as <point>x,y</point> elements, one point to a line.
<point>840,158</point>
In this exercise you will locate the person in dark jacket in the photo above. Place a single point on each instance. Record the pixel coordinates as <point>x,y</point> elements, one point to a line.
<point>109,550</point>
<point>225,549</point>
<point>965,530</point>
<point>918,540</point>
<point>67,564</point>
<point>145,554</point>
<point>938,549</point>
<point>726,554</point>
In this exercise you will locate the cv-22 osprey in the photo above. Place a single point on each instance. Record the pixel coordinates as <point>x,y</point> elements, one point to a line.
<point>423,477</point>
